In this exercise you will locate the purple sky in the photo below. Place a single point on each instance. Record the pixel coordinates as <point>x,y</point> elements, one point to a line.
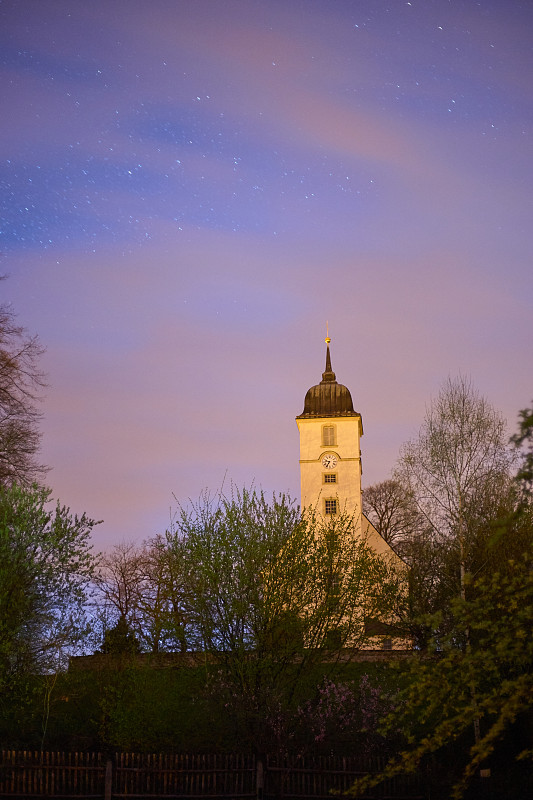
<point>191,189</point>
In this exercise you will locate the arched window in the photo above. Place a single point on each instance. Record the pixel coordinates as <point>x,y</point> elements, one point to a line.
<point>329,435</point>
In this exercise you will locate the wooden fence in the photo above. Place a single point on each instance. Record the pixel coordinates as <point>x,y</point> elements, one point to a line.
<point>25,774</point>
<point>35,774</point>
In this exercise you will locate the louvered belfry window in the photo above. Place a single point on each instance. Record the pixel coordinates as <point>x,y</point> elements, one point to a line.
<point>328,435</point>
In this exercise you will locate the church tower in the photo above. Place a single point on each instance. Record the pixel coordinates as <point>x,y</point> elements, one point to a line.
<point>330,453</point>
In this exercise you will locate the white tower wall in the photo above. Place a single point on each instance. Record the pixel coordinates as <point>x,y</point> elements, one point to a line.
<point>315,488</point>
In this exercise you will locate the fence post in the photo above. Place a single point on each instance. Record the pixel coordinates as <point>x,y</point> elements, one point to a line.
<point>108,779</point>
<point>259,779</point>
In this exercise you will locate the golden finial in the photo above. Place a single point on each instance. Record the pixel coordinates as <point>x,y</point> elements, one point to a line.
<point>327,340</point>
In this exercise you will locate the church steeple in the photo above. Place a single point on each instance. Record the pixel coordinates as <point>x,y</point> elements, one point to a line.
<point>328,375</point>
<point>330,454</point>
<point>328,398</point>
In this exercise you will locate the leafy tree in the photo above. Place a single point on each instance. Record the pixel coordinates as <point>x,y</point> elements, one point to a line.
<point>20,384</point>
<point>524,439</point>
<point>270,594</point>
<point>45,568</point>
<point>438,708</point>
<point>478,669</point>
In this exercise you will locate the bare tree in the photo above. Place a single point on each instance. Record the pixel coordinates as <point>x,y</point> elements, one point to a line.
<point>20,384</point>
<point>162,600</point>
<point>141,588</point>
<point>120,581</point>
<point>393,512</point>
<point>456,465</point>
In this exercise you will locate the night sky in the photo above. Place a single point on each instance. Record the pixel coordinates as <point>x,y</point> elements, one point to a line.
<point>190,189</point>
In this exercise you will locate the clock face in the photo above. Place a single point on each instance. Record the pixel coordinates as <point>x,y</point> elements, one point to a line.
<point>329,461</point>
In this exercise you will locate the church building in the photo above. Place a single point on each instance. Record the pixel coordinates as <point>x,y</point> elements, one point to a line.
<point>330,456</point>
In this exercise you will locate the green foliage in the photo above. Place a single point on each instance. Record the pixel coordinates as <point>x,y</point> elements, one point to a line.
<point>464,696</point>
<point>270,594</point>
<point>126,706</point>
<point>139,706</point>
<point>524,439</point>
<point>488,678</point>
<point>271,603</point>
<point>119,640</point>
<point>45,566</point>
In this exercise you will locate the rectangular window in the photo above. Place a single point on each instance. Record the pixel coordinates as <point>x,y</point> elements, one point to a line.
<point>330,477</point>
<point>329,437</point>
<point>331,506</point>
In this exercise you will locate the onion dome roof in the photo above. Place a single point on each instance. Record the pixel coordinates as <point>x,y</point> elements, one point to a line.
<point>328,398</point>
